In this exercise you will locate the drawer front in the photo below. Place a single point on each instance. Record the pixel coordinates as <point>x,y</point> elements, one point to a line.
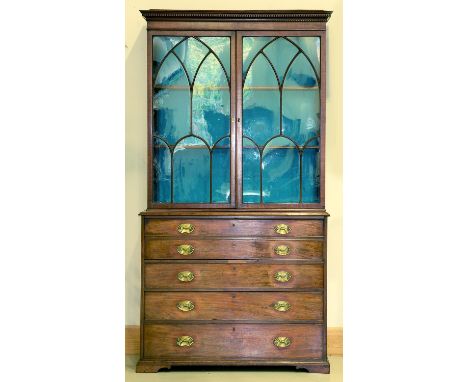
<point>218,341</point>
<point>233,306</point>
<point>189,248</point>
<point>231,276</point>
<point>222,227</point>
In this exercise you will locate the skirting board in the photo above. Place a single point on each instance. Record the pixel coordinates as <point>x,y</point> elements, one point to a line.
<point>132,340</point>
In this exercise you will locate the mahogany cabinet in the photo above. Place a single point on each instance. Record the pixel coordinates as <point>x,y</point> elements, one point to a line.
<point>234,238</point>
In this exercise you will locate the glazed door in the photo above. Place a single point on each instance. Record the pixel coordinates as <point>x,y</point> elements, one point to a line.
<point>191,154</point>
<point>280,105</point>
<point>203,82</point>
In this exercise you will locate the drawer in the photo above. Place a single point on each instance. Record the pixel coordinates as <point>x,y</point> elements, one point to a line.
<point>192,248</point>
<point>241,227</point>
<point>233,306</point>
<point>232,275</point>
<point>205,341</point>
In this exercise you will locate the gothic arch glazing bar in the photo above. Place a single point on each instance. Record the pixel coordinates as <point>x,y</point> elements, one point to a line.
<point>191,119</point>
<point>280,119</point>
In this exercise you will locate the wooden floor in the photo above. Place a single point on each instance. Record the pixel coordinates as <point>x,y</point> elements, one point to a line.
<point>235,375</point>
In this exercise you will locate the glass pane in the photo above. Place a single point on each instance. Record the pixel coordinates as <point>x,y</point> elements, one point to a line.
<point>301,74</point>
<point>221,168</point>
<point>170,73</point>
<point>301,118</point>
<point>162,172</point>
<point>280,177</point>
<point>171,102</point>
<point>250,172</point>
<point>222,48</point>
<point>250,47</point>
<point>280,53</point>
<point>211,102</point>
<point>311,47</point>
<point>191,171</point>
<point>162,45</point>
<point>301,102</point>
<point>191,52</point>
<point>311,175</point>
<point>261,102</point>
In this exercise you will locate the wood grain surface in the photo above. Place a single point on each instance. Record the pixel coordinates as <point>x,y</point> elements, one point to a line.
<point>234,306</point>
<point>259,248</point>
<point>334,340</point>
<point>227,228</point>
<point>220,341</point>
<point>232,276</point>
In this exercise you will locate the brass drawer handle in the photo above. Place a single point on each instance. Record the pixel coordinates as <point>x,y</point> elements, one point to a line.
<point>282,342</point>
<point>282,276</point>
<point>185,249</point>
<point>185,306</point>
<point>282,250</point>
<point>185,276</point>
<point>282,306</point>
<point>185,228</point>
<point>282,229</point>
<point>185,341</point>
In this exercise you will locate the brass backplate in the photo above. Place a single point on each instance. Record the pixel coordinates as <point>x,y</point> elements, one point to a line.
<point>185,341</point>
<point>282,276</point>
<point>282,342</point>
<point>185,276</point>
<point>185,306</point>
<point>282,250</point>
<point>185,249</point>
<point>185,228</point>
<point>282,306</point>
<point>282,229</point>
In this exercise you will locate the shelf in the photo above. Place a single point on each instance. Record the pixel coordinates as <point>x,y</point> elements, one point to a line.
<point>203,88</point>
<point>284,88</point>
<point>192,147</point>
<point>195,88</point>
<point>228,147</point>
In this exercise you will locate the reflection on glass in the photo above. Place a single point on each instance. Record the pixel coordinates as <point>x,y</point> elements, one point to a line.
<point>261,102</point>
<point>162,172</point>
<point>222,49</point>
<point>191,52</point>
<point>221,184</point>
<point>171,106</point>
<point>280,166</point>
<point>300,73</point>
<point>311,175</point>
<point>191,171</point>
<point>170,73</point>
<point>280,52</point>
<point>311,47</point>
<point>250,172</point>
<point>162,45</point>
<point>211,102</point>
<point>250,47</point>
<point>301,102</point>
<point>301,118</point>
